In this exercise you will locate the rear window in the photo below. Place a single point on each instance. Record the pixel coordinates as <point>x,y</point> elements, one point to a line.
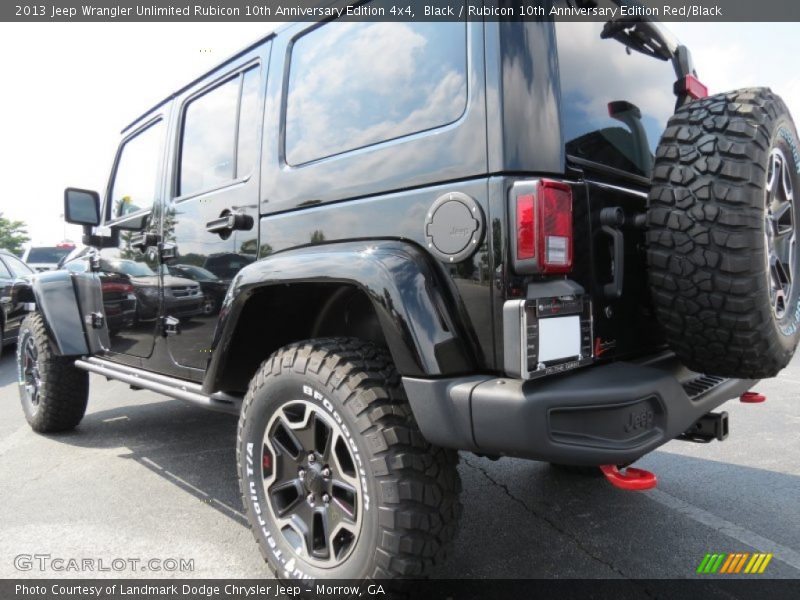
<point>597,72</point>
<point>47,254</point>
<point>352,85</point>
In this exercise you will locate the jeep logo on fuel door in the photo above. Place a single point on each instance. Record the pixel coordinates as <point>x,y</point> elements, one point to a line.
<point>640,419</point>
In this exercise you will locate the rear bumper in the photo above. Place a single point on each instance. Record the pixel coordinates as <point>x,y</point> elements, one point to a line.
<point>609,414</point>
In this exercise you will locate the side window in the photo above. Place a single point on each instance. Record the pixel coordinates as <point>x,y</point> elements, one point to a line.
<point>247,147</point>
<point>218,142</point>
<point>356,84</point>
<point>136,176</point>
<point>4,272</point>
<point>17,267</point>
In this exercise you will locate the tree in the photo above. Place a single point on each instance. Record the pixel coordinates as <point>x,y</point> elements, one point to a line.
<point>13,234</point>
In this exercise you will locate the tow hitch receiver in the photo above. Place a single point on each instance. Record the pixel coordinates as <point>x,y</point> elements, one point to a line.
<point>713,426</point>
<point>752,398</point>
<point>629,479</point>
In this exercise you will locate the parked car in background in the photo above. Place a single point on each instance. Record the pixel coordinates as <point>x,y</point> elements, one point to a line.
<point>226,265</point>
<point>15,291</point>
<point>46,258</point>
<point>183,296</point>
<point>213,287</point>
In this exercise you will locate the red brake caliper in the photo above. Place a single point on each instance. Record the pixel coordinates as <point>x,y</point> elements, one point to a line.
<point>630,478</point>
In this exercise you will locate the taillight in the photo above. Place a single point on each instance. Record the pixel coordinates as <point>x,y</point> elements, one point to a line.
<point>543,222</point>
<point>526,234</point>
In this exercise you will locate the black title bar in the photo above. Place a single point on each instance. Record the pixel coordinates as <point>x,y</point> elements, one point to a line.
<point>394,10</point>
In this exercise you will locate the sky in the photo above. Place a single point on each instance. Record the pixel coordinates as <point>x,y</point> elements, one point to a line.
<point>69,88</point>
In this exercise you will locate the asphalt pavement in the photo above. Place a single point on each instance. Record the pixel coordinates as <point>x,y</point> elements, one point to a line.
<point>145,477</point>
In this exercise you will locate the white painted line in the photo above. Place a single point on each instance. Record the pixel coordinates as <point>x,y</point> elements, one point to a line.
<point>196,490</point>
<point>228,508</point>
<point>781,553</point>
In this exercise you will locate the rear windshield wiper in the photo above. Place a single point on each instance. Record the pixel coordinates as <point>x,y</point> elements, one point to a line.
<point>636,33</point>
<point>640,35</point>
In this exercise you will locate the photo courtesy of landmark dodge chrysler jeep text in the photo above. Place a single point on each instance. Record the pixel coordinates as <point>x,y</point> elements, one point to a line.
<point>382,243</point>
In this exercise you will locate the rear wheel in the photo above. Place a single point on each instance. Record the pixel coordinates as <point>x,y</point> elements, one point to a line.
<point>336,478</point>
<point>723,234</point>
<point>53,392</point>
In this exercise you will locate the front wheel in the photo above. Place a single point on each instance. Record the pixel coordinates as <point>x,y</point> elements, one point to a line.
<point>336,478</point>
<point>53,391</point>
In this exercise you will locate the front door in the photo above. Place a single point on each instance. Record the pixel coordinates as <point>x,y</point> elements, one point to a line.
<point>211,221</point>
<point>129,273</point>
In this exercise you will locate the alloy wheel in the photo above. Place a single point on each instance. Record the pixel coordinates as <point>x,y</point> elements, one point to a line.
<point>780,231</point>
<point>31,377</point>
<point>311,483</point>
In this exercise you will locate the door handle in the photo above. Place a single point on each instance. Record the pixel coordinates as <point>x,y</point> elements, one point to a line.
<point>229,222</point>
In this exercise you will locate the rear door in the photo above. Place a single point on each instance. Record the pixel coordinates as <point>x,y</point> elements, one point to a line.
<point>210,221</point>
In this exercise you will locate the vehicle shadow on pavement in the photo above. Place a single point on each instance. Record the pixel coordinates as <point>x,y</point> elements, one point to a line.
<point>520,518</point>
<point>192,448</point>
<point>563,524</point>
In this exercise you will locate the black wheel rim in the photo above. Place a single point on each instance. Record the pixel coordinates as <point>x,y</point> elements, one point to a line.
<point>780,232</point>
<point>311,483</point>
<point>31,378</point>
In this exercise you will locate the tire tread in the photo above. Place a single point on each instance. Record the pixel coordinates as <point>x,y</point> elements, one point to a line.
<point>418,483</point>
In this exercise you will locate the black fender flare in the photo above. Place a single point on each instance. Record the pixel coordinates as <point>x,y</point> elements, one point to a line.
<point>57,301</point>
<point>413,304</point>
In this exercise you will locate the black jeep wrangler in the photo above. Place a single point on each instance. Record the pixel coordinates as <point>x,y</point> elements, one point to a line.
<point>382,243</point>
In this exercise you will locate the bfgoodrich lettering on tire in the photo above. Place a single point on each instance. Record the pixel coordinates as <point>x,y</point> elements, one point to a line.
<point>335,476</point>
<point>723,234</point>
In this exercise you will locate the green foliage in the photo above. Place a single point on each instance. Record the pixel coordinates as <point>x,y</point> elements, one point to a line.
<point>13,234</point>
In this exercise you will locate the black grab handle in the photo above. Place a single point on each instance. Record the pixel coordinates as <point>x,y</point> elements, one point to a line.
<point>611,221</point>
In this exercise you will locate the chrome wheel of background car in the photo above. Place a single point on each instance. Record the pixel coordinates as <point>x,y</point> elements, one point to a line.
<point>311,483</point>
<point>780,231</point>
<point>31,378</point>
<point>208,306</point>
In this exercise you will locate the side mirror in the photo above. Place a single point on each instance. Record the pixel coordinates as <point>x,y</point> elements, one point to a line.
<point>81,207</point>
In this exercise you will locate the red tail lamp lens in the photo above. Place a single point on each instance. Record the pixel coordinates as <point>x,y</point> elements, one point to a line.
<point>526,227</point>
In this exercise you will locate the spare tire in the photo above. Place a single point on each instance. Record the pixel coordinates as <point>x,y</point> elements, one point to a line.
<point>723,234</point>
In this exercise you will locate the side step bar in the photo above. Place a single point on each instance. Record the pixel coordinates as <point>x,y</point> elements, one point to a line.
<point>180,389</point>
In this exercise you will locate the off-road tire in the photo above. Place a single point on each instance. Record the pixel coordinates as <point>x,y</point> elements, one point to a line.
<point>413,486</point>
<point>64,389</point>
<point>707,242</point>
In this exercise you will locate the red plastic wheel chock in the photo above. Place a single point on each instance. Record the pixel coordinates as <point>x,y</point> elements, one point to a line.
<point>752,398</point>
<point>629,479</point>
